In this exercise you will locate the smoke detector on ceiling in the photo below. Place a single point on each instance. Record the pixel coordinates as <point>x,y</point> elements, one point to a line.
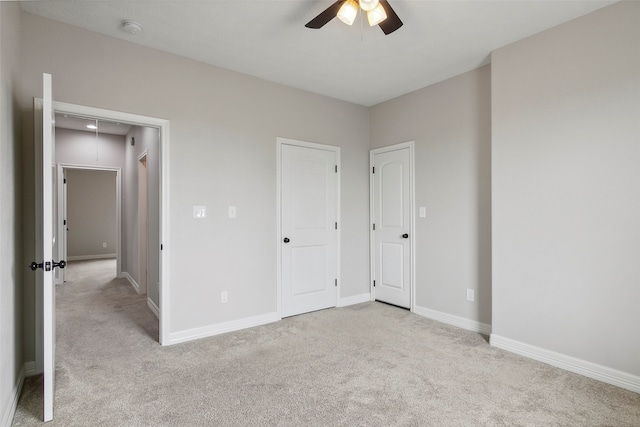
<point>131,27</point>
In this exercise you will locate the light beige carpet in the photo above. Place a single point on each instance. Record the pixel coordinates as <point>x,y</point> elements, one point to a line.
<point>364,365</point>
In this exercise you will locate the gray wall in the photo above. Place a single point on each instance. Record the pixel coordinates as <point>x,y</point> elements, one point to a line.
<point>566,181</point>
<point>223,152</point>
<point>79,148</point>
<point>146,139</point>
<point>450,123</point>
<point>91,213</point>
<point>13,265</point>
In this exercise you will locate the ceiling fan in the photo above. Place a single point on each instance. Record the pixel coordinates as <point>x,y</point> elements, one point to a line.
<point>379,12</point>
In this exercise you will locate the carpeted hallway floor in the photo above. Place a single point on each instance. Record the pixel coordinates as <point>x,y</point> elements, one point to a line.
<point>364,365</point>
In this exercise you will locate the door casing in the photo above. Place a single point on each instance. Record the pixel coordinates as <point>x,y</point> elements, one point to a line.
<point>143,222</point>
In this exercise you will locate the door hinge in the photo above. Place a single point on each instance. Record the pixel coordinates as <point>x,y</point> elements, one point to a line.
<point>336,225</point>
<point>64,181</point>
<point>64,222</point>
<point>336,282</point>
<point>373,169</point>
<point>374,227</point>
<point>374,283</point>
<point>161,246</point>
<point>336,168</point>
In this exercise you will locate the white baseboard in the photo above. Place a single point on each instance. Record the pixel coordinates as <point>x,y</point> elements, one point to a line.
<point>88,257</point>
<point>588,369</point>
<point>222,328</point>
<point>133,282</point>
<point>450,319</point>
<point>9,411</point>
<point>30,369</point>
<point>152,305</point>
<point>355,299</point>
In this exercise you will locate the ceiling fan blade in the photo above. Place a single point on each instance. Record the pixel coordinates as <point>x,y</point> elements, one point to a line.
<point>392,22</point>
<point>327,15</point>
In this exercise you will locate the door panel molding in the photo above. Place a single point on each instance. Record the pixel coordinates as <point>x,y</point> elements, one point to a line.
<point>410,145</point>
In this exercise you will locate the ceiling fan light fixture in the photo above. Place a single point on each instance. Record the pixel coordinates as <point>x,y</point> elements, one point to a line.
<point>368,5</point>
<point>348,12</point>
<point>376,15</point>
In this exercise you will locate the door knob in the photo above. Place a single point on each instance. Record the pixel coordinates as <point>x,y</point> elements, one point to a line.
<point>405,236</point>
<point>47,265</point>
<point>286,240</point>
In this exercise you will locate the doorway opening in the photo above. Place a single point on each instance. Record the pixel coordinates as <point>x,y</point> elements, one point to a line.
<point>112,217</point>
<point>144,124</point>
<point>89,215</point>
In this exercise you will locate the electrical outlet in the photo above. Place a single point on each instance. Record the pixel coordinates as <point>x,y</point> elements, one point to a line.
<point>471,295</point>
<point>224,297</point>
<point>104,244</point>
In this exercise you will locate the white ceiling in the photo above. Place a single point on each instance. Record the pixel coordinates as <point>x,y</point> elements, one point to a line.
<point>267,38</point>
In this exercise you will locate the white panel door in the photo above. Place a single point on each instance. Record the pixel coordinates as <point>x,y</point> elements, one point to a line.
<point>392,226</point>
<point>46,249</point>
<point>309,201</point>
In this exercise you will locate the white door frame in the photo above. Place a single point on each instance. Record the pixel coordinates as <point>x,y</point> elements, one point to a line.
<point>279,143</point>
<point>62,236</point>
<point>143,223</point>
<point>164,180</point>
<point>411,146</point>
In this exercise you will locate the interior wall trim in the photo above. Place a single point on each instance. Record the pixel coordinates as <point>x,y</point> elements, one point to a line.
<point>222,328</point>
<point>573,364</point>
<point>355,299</point>
<point>9,410</point>
<point>152,305</point>
<point>450,319</point>
<point>89,257</point>
<point>30,369</point>
<point>131,280</point>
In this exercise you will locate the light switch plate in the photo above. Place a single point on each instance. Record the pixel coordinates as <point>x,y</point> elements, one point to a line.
<point>471,295</point>
<point>199,212</point>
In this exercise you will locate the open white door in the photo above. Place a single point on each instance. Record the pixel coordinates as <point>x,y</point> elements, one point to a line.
<point>45,244</point>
